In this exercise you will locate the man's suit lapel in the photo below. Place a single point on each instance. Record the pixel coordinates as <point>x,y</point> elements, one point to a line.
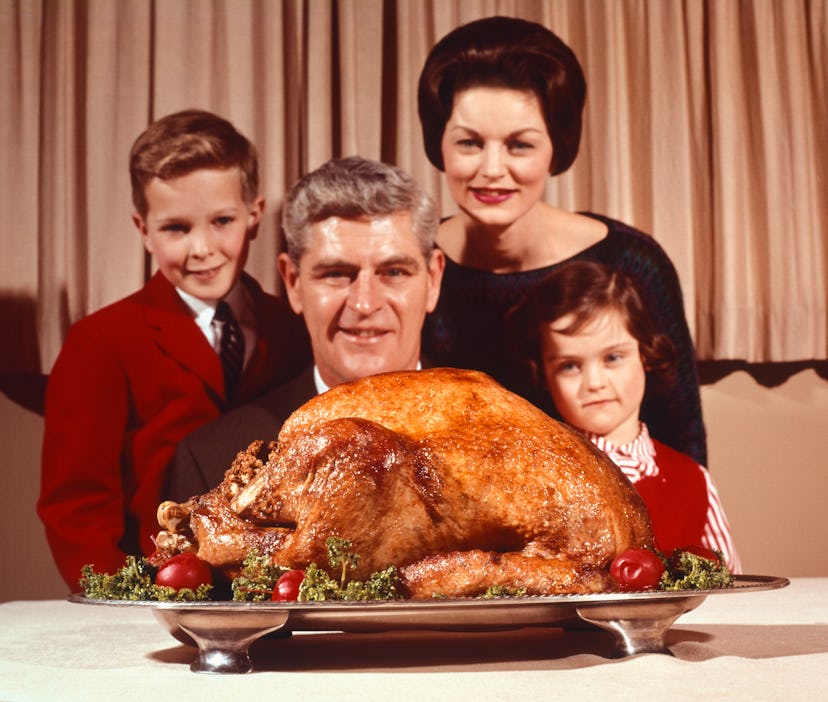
<point>177,334</point>
<point>288,398</point>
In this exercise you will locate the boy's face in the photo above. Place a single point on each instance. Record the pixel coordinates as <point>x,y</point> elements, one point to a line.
<point>198,228</point>
<point>596,376</point>
<point>364,288</point>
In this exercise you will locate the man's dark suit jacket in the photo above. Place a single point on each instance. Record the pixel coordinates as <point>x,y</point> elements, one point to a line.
<point>202,458</point>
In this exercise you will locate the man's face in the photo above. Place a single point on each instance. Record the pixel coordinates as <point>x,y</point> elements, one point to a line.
<point>198,229</point>
<point>364,288</point>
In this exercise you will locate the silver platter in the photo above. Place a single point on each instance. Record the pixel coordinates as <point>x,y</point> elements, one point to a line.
<point>223,631</point>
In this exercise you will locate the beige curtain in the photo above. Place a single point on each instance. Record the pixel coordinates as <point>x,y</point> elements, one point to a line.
<point>706,125</point>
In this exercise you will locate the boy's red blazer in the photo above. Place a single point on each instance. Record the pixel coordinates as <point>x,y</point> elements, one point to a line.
<point>130,382</point>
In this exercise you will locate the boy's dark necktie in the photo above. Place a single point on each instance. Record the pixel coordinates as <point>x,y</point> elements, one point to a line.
<point>232,347</point>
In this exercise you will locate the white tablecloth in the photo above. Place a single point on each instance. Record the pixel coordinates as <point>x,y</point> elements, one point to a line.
<point>768,645</point>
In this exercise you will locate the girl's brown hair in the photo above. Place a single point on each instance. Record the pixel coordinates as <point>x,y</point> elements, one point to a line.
<point>585,289</point>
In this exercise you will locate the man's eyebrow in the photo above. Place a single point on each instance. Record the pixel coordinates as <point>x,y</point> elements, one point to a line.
<point>398,260</point>
<point>326,263</point>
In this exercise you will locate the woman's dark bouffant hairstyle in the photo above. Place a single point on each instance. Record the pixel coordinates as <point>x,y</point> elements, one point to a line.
<point>585,289</point>
<point>510,53</point>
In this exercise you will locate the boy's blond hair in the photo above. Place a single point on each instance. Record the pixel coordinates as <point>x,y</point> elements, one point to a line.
<point>187,141</point>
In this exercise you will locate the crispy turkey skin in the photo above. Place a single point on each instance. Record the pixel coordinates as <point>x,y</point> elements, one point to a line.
<point>444,473</point>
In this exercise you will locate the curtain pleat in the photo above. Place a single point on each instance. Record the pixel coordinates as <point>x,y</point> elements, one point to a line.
<point>20,124</point>
<point>706,125</point>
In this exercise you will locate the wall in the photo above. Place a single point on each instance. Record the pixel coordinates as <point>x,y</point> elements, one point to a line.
<point>768,453</point>
<point>767,446</point>
<point>27,570</point>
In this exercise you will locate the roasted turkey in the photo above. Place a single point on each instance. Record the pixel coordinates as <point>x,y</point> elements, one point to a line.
<point>444,473</point>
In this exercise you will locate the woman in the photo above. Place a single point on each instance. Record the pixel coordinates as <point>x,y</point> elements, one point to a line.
<point>500,103</point>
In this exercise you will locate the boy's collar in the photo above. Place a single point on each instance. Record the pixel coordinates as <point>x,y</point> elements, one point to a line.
<point>199,307</point>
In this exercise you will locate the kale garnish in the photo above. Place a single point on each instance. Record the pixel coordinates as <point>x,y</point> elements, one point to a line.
<point>257,579</point>
<point>502,591</point>
<point>320,586</point>
<point>688,571</point>
<point>133,581</point>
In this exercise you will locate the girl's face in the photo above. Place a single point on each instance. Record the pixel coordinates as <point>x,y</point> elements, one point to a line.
<point>497,153</point>
<point>596,377</point>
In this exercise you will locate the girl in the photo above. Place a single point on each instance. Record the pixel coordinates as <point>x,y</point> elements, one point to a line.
<point>590,341</point>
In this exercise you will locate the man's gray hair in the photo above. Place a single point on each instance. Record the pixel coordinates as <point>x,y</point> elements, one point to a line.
<point>353,188</point>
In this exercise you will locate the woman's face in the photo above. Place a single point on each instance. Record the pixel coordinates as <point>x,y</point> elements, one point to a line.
<point>497,153</point>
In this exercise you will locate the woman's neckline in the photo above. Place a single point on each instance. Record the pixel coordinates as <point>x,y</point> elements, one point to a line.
<point>599,242</point>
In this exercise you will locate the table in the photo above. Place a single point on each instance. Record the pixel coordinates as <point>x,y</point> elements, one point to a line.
<point>767,645</point>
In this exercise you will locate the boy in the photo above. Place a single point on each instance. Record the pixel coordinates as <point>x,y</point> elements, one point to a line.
<point>590,341</point>
<point>136,377</point>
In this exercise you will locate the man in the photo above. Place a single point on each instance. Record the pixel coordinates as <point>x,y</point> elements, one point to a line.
<point>362,268</point>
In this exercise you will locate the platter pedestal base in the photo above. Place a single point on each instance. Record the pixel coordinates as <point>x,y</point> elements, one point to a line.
<point>224,642</point>
<point>638,627</point>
